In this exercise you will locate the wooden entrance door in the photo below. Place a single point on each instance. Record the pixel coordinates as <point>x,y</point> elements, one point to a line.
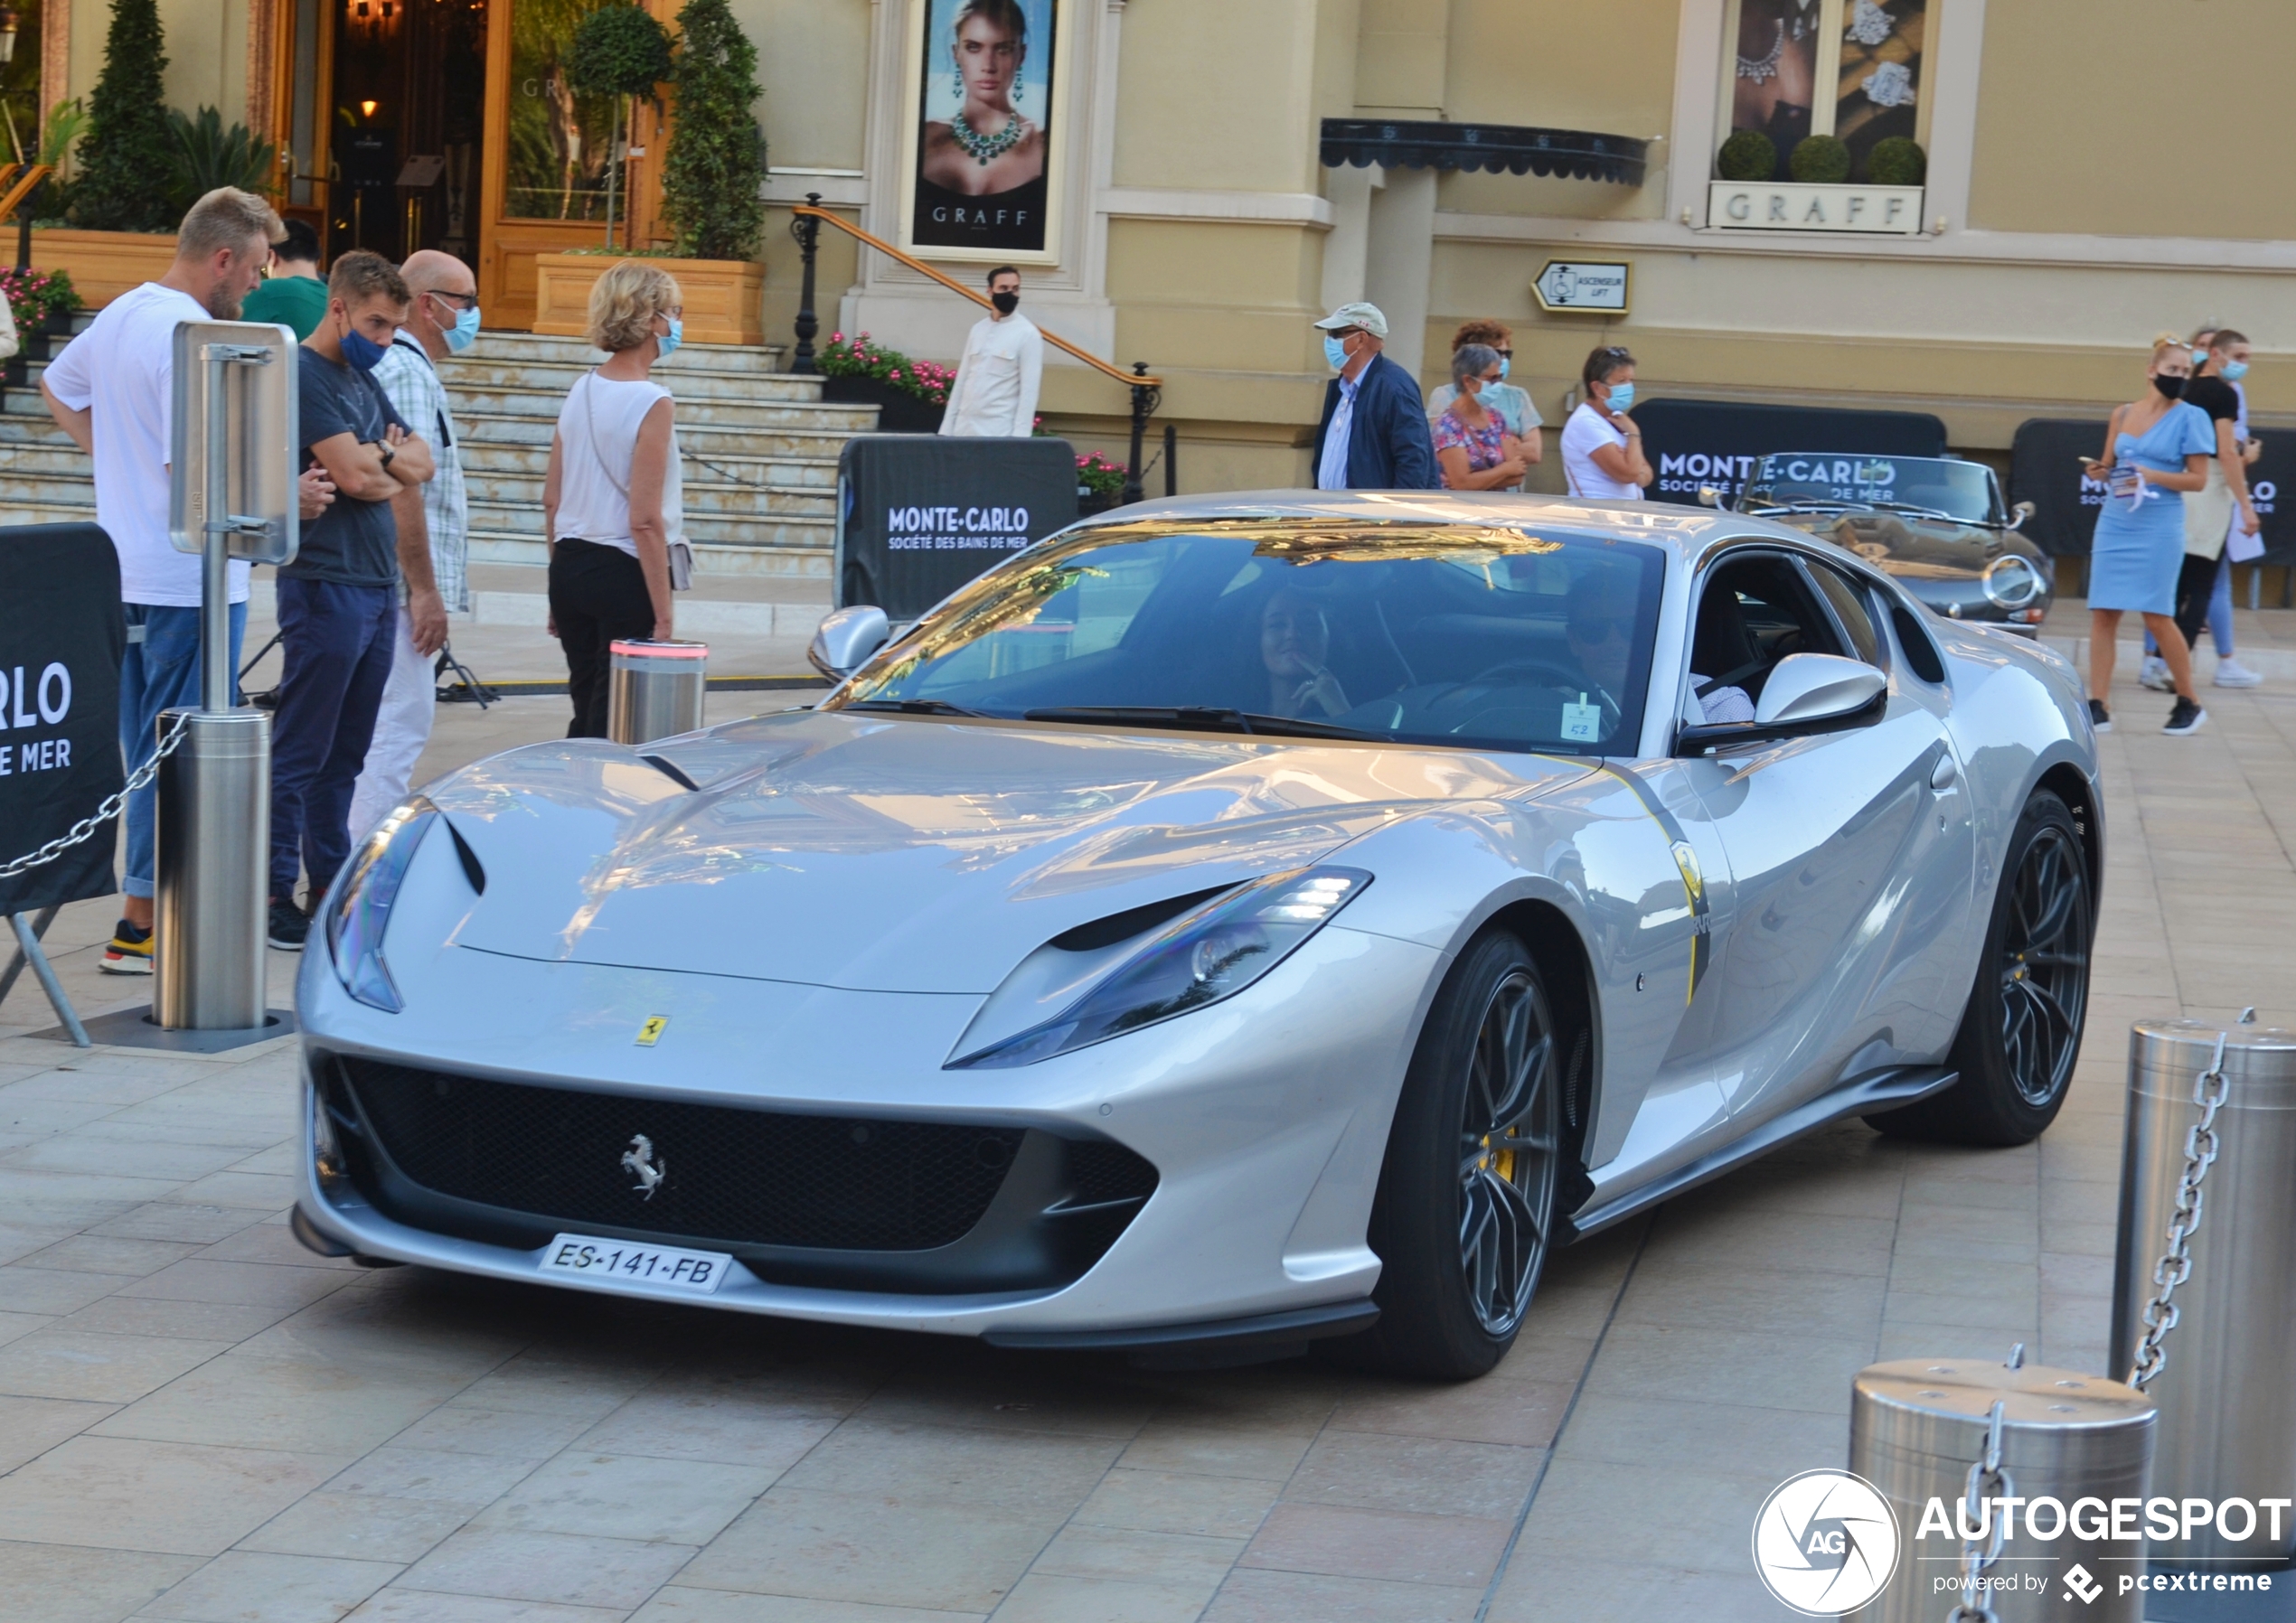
<point>546,161</point>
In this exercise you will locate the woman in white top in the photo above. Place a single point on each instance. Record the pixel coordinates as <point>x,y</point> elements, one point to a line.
<point>611,506</point>
<point>1602,448</point>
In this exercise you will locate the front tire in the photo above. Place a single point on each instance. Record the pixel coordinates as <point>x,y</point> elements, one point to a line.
<point>1465,1217</point>
<point>2021,1032</point>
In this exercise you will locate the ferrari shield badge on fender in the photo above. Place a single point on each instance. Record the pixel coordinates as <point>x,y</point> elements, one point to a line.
<point>651,1032</point>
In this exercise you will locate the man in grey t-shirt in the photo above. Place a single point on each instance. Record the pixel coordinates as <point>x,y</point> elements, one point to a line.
<point>338,600</point>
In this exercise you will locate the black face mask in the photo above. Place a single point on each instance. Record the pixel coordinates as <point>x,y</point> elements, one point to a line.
<point>1005,302</point>
<point>2171,387</point>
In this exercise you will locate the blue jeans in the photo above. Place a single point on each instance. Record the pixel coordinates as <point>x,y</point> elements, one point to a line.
<point>161,671</point>
<point>339,640</point>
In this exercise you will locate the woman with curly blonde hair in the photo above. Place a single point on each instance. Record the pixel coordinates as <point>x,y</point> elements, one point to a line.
<point>611,502</point>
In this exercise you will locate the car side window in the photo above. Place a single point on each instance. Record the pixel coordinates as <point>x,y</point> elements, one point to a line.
<point>1756,610</point>
<point>1849,603</point>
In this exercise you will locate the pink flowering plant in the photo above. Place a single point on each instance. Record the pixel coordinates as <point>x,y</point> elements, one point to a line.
<point>1102,477</point>
<point>33,294</point>
<point>862,357</point>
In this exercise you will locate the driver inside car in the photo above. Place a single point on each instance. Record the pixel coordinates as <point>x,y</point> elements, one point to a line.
<point>1599,631</point>
<point>1295,640</point>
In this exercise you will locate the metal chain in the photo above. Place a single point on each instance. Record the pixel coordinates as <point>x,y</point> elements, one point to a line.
<point>2175,1267</point>
<point>1987,1481</point>
<point>104,813</point>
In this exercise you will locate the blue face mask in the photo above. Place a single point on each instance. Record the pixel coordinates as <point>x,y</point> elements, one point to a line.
<point>1505,361</point>
<point>1622,397</point>
<point>360,350</point>
<point>671,340</point>
<point>463,332</point>
<point>1335,352</point>
<point>2234,371</point>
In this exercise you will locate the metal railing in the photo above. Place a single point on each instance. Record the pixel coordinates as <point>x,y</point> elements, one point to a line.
<point>1147,391</point>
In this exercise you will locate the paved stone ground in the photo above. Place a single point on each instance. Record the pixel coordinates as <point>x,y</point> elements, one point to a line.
<point>200,1421</point>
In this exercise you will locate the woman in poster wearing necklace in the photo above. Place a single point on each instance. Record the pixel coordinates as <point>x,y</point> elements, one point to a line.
<point>981,173</point>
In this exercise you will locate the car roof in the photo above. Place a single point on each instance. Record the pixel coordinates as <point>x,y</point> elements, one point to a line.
<point>1683,531</point>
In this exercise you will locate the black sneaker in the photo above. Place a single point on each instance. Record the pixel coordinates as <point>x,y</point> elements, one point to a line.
<point>2186,720</point>
<point>287,926</point>
<point>2100,718</point>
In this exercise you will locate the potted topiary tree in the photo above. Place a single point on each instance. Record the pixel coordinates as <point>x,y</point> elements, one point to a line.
<point>711,181</point>
<point>121,225</point>
<point>621,51</point>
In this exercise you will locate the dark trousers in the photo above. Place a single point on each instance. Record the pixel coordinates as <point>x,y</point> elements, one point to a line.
<point>2196,582</point>
<point>597,594</point>
<point>338,641</point>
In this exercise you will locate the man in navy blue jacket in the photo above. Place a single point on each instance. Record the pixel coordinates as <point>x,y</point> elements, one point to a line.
<point>1374,433</point>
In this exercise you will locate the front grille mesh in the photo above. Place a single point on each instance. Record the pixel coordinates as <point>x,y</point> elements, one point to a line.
<point>741,1176</point>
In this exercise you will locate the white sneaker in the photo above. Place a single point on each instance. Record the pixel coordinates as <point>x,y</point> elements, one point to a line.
<point>2232,673</point>
<point>2154,674</point>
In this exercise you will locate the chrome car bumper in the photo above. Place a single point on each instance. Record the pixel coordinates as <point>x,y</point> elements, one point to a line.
<point>1263,1118</point>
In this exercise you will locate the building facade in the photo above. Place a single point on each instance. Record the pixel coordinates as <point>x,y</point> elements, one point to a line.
<point>1208,175</point>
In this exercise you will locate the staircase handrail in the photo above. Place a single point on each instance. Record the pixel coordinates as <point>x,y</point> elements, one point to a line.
<point>1138,375</point>
<point>1147,392</point>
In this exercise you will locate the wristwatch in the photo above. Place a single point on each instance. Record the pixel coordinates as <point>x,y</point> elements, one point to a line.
<point>389,455</point>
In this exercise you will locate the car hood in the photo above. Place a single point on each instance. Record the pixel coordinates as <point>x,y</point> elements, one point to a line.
<point>908,854</point>
<point>1911,547</point>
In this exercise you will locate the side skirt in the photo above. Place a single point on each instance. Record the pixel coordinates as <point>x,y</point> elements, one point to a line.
<point>1883,1090</point>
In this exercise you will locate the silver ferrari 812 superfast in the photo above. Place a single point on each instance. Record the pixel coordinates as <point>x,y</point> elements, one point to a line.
<point>1225,925</point>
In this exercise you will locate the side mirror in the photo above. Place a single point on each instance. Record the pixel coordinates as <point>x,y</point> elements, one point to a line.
<point>1709,496</point>
<point>2019,513</point>
<point>1806,693</point>
<point>1805,688</point>
<point>846,639</point>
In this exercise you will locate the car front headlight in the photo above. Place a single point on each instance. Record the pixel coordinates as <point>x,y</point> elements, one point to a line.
<point>1209,953</point>
<point>360,910</point>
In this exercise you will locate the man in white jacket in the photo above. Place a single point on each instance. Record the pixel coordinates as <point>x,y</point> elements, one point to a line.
<point>995,396</point>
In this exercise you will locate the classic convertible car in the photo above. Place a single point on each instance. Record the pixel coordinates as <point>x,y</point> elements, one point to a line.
<point>1224,924</point>
<point>1937,523</point>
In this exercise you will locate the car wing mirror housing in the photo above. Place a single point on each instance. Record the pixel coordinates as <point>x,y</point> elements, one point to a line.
<point>1806,693</point>
<point>846,640</point>
<point>2019,514</point>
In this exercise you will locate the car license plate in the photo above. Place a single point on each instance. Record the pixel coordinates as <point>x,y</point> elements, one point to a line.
<point>620,1261</point>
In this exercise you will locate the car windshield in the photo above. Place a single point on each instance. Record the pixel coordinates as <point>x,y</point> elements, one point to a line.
<point>1960,489</point>
<point>1467,634</point>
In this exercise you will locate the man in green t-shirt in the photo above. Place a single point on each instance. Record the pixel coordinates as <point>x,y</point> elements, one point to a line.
<point>293,294</point>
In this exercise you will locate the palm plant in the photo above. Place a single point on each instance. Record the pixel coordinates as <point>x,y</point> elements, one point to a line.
<point>203,155</point>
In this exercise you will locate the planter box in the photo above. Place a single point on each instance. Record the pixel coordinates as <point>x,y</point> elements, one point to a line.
<point>104,263</point>
<point>897,410</point>
<point>724,298</point>
<point>1090,503</point>
<point>1791,206</point>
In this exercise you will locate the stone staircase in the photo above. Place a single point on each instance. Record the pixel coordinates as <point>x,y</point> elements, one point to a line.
<point>760,452</point>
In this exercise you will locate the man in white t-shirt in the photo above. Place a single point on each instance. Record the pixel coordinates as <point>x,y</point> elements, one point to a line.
<point>995,396</point>
<point>1602,448</point>
<point>110,391</point>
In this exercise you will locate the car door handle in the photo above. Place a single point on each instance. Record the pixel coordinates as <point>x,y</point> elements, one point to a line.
<point>1943,775</point>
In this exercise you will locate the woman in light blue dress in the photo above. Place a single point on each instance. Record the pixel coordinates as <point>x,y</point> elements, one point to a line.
<point>2155,449</point>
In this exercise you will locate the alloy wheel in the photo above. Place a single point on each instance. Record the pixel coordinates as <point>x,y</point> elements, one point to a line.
<point>1508,1153</point>
<point>2045,966</point>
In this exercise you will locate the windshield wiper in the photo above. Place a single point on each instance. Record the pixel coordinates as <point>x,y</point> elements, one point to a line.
<point>912,707</point>
<point>1769,507</point>
<point>1202,718</point>
<point>1926,512</point>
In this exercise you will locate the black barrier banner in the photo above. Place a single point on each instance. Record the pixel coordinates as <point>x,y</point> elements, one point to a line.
<point>1698,443</point>
<point>918,515</point>
<point>2044,469</point>
<point>61,641</point>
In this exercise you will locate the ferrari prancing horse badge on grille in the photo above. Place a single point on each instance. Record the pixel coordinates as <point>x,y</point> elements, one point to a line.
<point>638,1161</point>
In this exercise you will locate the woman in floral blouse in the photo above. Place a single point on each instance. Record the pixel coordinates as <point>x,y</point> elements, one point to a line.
<point>1472,446</point>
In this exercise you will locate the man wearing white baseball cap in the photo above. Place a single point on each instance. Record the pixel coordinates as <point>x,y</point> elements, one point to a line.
<point>1374,433</point>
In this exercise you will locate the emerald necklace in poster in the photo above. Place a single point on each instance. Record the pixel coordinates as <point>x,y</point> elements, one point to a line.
<point>984,143</point>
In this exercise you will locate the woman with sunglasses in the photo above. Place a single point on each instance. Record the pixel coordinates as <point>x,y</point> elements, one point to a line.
<point>1602,448</point>
<point>1475,449</point>
<point>1513,404</point>
<point>2156,448</point>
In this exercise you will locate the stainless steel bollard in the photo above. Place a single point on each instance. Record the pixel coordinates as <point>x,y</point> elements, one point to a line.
<point>214,843</point>
<point>656,689</point>
<point>1916,1426</point>
<point>2227,1404</point>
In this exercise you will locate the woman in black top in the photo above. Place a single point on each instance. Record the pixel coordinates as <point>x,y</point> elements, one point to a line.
<point>2208,511</point>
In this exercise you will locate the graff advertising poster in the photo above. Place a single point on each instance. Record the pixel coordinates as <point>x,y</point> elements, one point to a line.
<point>986,127</point>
